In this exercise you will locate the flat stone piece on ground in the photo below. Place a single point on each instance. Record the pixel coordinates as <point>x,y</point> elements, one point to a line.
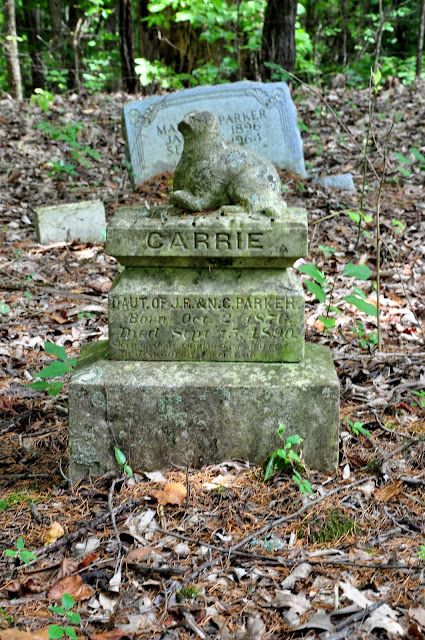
<point>197,413</point>
<point>83,221</point>
<point>342,181</point>
<point>233,315</point>
<point>261,116</point>
<point>160,237</point>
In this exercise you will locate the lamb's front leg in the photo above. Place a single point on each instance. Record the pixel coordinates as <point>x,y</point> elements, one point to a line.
<point>188,201</point>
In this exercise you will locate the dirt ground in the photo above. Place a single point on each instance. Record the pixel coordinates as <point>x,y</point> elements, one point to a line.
<point>217,552</point>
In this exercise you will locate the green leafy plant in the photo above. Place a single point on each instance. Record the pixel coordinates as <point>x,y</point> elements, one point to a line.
<point>57,368</point>
<point>288,459</point>
<point>421,398</point>
<point>42,99</point>
<point>23,554</point>
<point>318,285</point>
<point>357,428</point>
<point>122,462</point>
<point>56,631</point>
<point>421,552</point>
<point>4,308</point>
<point>84,314</point>
<point>187,593</point>
<point>70,134</point>
<point>366,340</point>
<point>407,162</point>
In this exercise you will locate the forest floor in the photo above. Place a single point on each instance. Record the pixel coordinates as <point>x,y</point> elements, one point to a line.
<point>237,558</point>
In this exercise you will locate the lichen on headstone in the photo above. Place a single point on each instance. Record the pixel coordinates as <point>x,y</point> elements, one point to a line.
<point>214,172</point>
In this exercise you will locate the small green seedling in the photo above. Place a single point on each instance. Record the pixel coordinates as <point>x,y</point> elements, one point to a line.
<point>24,555</point>
<point>327,250</point>
<point>4,308</point>
<point>421,398</point>
<point>366,340</point>
<point>53,370</point>
<point>303,485</point>
<point>121,459</point>
<point>357,427</point>
<point>288,459</point>
<point>85,314</point>
<point>421,552</point>
<point>42,99</point>
<point>57,631</point>
<point>187,593</point>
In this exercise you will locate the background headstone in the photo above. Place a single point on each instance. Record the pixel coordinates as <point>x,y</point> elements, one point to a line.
<point>261,116</point>
<point>83,221</point>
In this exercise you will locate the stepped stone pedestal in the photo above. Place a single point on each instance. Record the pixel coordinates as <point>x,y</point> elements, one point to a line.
<point>206,353</point>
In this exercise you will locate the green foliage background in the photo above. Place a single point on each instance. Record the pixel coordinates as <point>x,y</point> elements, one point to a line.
<point>331,37</point>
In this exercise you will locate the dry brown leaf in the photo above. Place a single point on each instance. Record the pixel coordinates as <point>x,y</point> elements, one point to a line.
<point>172,493</point>
<point>137,555</point>
<point>60,317</point>
<point>386,493</point>
<point>74,586</point>
<point>14,634</point>
<point>55,532</point>
<point>101,286</point>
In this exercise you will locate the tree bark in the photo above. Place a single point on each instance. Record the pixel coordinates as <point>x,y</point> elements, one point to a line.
<point>11,51</point>
<point>55,15</point>
<point>420,40</point>
<point>32,23</point>
<point>128,73</point>
<point>278,41</point>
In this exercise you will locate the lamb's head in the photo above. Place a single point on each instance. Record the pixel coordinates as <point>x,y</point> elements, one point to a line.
<point>199,123</point>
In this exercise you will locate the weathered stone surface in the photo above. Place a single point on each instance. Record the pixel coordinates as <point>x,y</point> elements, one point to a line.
<point>261,116</point>
<point>200,413</point>
<point>213,172</point>
<point>83,221</point>
<point>342,181</point>
<point>141,237</point>
<point>252,315</point>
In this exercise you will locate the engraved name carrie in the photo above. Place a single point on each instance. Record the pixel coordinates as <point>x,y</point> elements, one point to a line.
<point>221,241</point>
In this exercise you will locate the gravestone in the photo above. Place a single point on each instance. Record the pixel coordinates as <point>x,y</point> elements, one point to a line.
<point>84,221</point>
<point>206,353</point>
<point>260,116</point>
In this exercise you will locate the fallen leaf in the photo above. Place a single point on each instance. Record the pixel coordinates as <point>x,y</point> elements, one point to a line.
<point>101,286</point>
<point>90,557</point>
<point>14,634</point>
<point>287,600</point>
<point>418,614</point>
<point>299,573</point>
<point>137,555</point>
<point>172,493</point>
<point>219,481</point>
<point>255,628</point>
<point>114,634</point>
<point>55,532</point>
<point>74,586</point>
<point>385,493</point>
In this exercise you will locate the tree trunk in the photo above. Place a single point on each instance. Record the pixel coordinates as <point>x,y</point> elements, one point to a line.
<point>55,15</point>
<point>11,50</point>
<point>278,41</point>
<point>129,77</point>
<point>32,23</point>
<point>420,40</point>
<point>147,37</point>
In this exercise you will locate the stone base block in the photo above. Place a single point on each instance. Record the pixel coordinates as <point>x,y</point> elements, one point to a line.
<point>197,413</point>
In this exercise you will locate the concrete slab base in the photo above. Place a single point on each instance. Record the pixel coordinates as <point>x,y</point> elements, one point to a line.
<point>197,413</point>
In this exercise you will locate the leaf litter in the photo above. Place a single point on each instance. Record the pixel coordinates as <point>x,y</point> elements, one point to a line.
<point>234,558</point>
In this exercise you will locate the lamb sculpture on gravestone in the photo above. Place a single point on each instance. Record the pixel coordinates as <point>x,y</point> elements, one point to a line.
<point>214,172</point>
